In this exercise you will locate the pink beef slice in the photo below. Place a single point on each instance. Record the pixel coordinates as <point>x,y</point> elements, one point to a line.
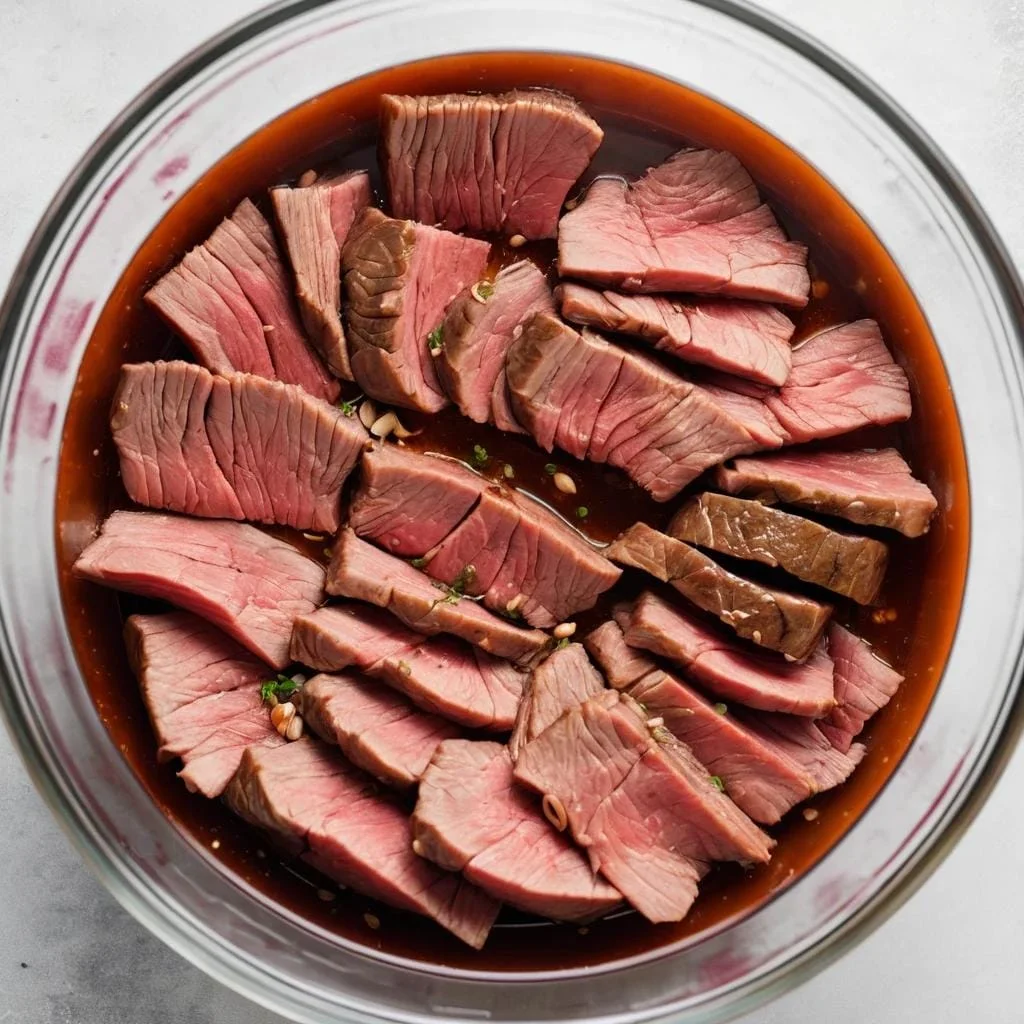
<point>472,817</point>
<point>645,810</point>
<point>727,668</point>
<point>486,163</point>
<point>399,278</point>
<point>872,487</point>
<point>756,770</point>
<point>864,684</point>
<point>693,224</point>
<point>249,584</point>
<point>230,299</point>
<point>748,339</point>
<point>562,681</point>
<point>363,572</point>
<point>842,379</point>
<point>844,563</point>
<point>475,338</point>
<point>601,402</point>
<point>523,557</point>
<point>315,221</point>
<point>235,447</point>
<point>202,692</point>
<point>778,619</point>
<point>306,793</point>
<point>440,675</point>
<point>376,728</point>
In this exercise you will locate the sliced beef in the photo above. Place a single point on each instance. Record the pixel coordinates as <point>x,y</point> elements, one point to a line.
<point>725,667</point>
<point>873,487</point>
<point>783,621</point>
<point>560,682</point>
<point>202,692</point>
<point>844,563</point>
<point>440,675</point>
<point>864,684</point>
<point>804,740</point>
<point>525,561</point>
<point>230,299</point>
<point>315,221</point>
<point>248,583</point>
<point>476,334</point>
<point>486,163</point>
<point>472,817</point>
<point>235,447</point>
<point>647,812</point>
<point>376,728</point>
<point>309,795</point>
<point>364,572</point>
<point>693,224</point>
<point>399,277</point>
<point>598,401</point>
<point>748,339</point>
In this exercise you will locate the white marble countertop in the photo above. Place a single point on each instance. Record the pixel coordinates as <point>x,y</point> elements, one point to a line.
<point>70,955</point>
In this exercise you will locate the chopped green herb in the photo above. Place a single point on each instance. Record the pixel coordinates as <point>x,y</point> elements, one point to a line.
<point>716,781</point>
<point>479,458</point>
<point>582,512</point>
<point>434,339</point>
<point>551,469</point>
<point>720,709</point>
<point>513,613</point>
<point>564,642</point>
<point>485,289</point>
<point>509,471</point>
<point>280,688</point>
<point>418,563</point>
<point>349,406</point>
<point>329,552</point>
<point>456,590</point>
<point>464,579</point>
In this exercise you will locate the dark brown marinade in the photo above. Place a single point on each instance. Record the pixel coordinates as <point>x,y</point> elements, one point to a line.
<point>645,118</point>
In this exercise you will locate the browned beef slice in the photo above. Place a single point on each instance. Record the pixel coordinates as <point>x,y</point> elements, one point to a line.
<point>202,692</point>
<point>725,666</point>
<point>315,221</point>
<point>248,583</point>
<point>783,621</point>
<point>235,447</point>
<point>478,329</point>
<point>364,572</point>
<point>873,487</point>
<point>230,299</point>
<point>847,564</point>
<point>646,811</point>
<point>601,402</point>
<point>748,339</point>
<point>376,728</point>
<point>472,817</point>
<point>693,224</point>
<point>311,796</point>
<point>399,277</point>
<point>486,163</point>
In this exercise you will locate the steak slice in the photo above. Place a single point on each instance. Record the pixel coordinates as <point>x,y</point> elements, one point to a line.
<point>871,487</point>
<point>440,675</point>
<point>725,667</point>
<point>248,583</point>
<point>471,817</point>
<point>846,564</point>
<point>230,299</point>
<point>783,621</point>
<point>376,728</point>
<point>235,447</point>
<point>361,571</point>
<point>646,811</point>
<point>486,163</point>
<point>864,684</point>
<point>475,338</point>
<point>562,681</point>
<point>748,339</point>
<point>693,224</point>
<point>399,277</point>
<point>202,692</point>
<point>315,221</point>
<point>759,775</point>
<point>804,740</point>
<point>598,401</point>
<point>312,797</point>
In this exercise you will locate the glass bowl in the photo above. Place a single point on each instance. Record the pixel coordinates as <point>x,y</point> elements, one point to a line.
<point>214,100</point>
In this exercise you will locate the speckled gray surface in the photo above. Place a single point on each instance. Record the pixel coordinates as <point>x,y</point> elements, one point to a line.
<point>70,955</point>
